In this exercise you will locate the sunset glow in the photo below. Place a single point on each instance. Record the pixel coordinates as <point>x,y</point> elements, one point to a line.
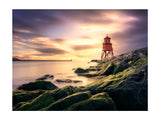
<point>76,34</point>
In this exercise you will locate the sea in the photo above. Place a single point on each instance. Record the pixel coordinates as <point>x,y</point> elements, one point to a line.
<point>28,71</point>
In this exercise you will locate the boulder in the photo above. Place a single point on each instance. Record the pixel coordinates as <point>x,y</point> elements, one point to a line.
<point>23,96</point>
<point>120,66</point>
<point>49,97</point>
<point>38,85</point>
<point>129,99</point>
<point>68,80</point>
<point>100,101</point>
<point>80,70</point>
<point>107,70</point>
<point>69,100</point>
<point>45,77</point>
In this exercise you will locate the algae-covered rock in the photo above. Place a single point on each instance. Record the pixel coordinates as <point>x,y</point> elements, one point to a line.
<point>19,105</point>
<point>38,85</point>
<point>40,102</point>
<point>47,98</point>
<point>141,61</point>
<point>100,101</point>
<point>65,91</point>
<point>129,99</point>
<point>68,81</point>
<point>107,70</point>
<point>94,68</point>
<point>89,75</point>
<point>23,96</point>
<point>120,66</point>
<point>130,56</point>
<point>69,100</point>
<point>128,89</point>
<point>132,94</point>
<point>80,70</point>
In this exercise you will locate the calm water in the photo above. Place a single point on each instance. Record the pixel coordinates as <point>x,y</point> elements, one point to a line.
<point>28,71</point>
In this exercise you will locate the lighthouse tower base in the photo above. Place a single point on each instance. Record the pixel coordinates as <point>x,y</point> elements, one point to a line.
<point>107,54</point>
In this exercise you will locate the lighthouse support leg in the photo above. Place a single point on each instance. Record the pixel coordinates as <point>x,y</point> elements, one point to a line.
<point>102,55</point>
<point>106,55</point>
<point>112,53</point>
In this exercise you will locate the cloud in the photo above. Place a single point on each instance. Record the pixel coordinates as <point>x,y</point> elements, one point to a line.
<point>85,37</point>
<point>83,47</point>
<point>17,38</point>
<point>57,32</point>
<point>58,40</point>
<point>51,51</point>
<point>136,35</point>
<point>34,20</point>
<point>26,35</point>
<point>86,16</point>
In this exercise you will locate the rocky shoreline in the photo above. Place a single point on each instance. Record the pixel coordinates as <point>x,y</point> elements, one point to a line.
<point>121,85</point>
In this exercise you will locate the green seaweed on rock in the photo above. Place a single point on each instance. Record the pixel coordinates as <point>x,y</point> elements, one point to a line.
<point>100,101</point>
<point>38,85</point>
<point>69,100</point>
<point>47,98</point>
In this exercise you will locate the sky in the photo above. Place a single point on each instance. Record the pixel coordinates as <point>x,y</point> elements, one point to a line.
<point>76,34</point>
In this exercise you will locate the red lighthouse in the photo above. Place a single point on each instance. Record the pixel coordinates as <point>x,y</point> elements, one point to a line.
<point>107,50</point>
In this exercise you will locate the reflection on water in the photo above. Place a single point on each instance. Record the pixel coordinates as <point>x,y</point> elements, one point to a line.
<point>28,71</point>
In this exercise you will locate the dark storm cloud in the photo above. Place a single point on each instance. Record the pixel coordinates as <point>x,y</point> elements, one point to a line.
<point>141,13</point>
<point>34,20</point>
<point>83,47</point>
<point>140,26</point>
<point>86,16</point>
<point>37,20</point>
<point>137,35</point>
<point>51,51</point>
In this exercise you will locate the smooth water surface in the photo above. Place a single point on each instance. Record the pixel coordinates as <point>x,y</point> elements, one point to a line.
<point>29,71</point>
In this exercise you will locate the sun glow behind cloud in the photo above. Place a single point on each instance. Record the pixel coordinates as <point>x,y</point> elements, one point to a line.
<point>76,34</point>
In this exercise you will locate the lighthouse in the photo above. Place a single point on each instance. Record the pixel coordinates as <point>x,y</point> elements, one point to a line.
<point>107,50</point>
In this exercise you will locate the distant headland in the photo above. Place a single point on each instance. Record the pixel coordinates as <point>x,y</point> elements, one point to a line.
<point>17,59</point>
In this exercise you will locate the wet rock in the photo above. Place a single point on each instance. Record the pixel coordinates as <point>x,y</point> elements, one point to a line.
<point>89,75</point>
<point>62,104</point>
<point>68,80</point>
<point>100,101</point>
<point>48,97</point>
<point>80,70</point>
<point>107,70</point>
<point>120,66</point>
<point>38,85</point>
<point>23,96</point>
<point>93,69</point>
<point>128,99</point>
<point>45,77</point>
<point>94,60</point>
